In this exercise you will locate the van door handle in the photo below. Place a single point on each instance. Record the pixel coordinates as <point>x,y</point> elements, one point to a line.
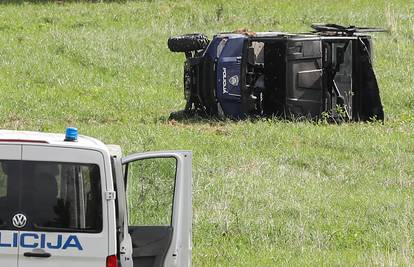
<point>37,254</point>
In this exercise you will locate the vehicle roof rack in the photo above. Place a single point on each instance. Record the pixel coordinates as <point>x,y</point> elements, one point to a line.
<point>335,29</point>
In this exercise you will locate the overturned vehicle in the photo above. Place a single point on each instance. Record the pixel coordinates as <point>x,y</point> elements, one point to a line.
<point>327,72</point>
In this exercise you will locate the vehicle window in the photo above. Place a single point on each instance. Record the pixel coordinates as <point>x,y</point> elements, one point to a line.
<point>151,185</point>
<point>9,199</point>
<point>3,195</point>
<point>3,184</point>
<point>53,196</point>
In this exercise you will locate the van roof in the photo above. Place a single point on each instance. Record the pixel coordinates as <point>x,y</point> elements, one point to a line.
<point>25,137</point>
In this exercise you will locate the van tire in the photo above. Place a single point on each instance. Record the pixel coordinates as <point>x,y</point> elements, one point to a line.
<point>188,42</point>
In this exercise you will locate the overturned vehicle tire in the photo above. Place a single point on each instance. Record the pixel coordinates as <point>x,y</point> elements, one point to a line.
<point>188,42</point>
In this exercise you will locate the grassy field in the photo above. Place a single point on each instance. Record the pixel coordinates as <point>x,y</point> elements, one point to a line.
<point>266,192</point>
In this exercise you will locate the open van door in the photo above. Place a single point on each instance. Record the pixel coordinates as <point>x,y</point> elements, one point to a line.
<point>158,186</point>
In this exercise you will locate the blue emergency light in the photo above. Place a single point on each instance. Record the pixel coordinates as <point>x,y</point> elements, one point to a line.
<point>71,134</point>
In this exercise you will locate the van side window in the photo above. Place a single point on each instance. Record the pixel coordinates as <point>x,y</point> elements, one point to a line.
<point>3,184</point>
<point>54,196</point>
<point>151,185</point>
<point>9,197</point>
<point>3,197</point>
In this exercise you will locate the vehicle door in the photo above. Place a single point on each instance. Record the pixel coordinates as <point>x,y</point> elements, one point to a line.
<point>159,205</point>
<point>304,91</point>
<point>65,207</point>
<point>341,63</point>
<point>10,155</point>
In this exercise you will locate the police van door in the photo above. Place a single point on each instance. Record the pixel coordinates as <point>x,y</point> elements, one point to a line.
<point>62,200</point>
<point>10,156</point>
<point>159,207</point>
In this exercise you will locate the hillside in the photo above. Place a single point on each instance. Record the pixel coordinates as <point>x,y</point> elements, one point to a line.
<point>266,192</point>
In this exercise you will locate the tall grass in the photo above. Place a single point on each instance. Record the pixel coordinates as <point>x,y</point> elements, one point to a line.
<point>392,21</point>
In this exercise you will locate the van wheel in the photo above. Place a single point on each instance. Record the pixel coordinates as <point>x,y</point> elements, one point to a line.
<point>188,42</point>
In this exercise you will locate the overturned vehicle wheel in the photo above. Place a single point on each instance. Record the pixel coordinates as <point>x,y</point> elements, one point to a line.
<point>188,42</point>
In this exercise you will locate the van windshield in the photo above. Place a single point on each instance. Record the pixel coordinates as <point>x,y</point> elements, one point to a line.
<point>53,196</point>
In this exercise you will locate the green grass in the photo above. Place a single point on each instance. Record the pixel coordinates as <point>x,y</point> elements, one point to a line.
<point>266,192</point>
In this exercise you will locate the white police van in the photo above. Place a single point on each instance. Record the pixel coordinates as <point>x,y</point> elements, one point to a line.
<point>64,201</point>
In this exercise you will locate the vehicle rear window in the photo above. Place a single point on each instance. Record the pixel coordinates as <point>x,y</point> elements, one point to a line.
<point>53,196</point>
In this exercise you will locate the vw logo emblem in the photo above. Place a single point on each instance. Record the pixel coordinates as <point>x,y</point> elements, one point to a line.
<point>19,220</point>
